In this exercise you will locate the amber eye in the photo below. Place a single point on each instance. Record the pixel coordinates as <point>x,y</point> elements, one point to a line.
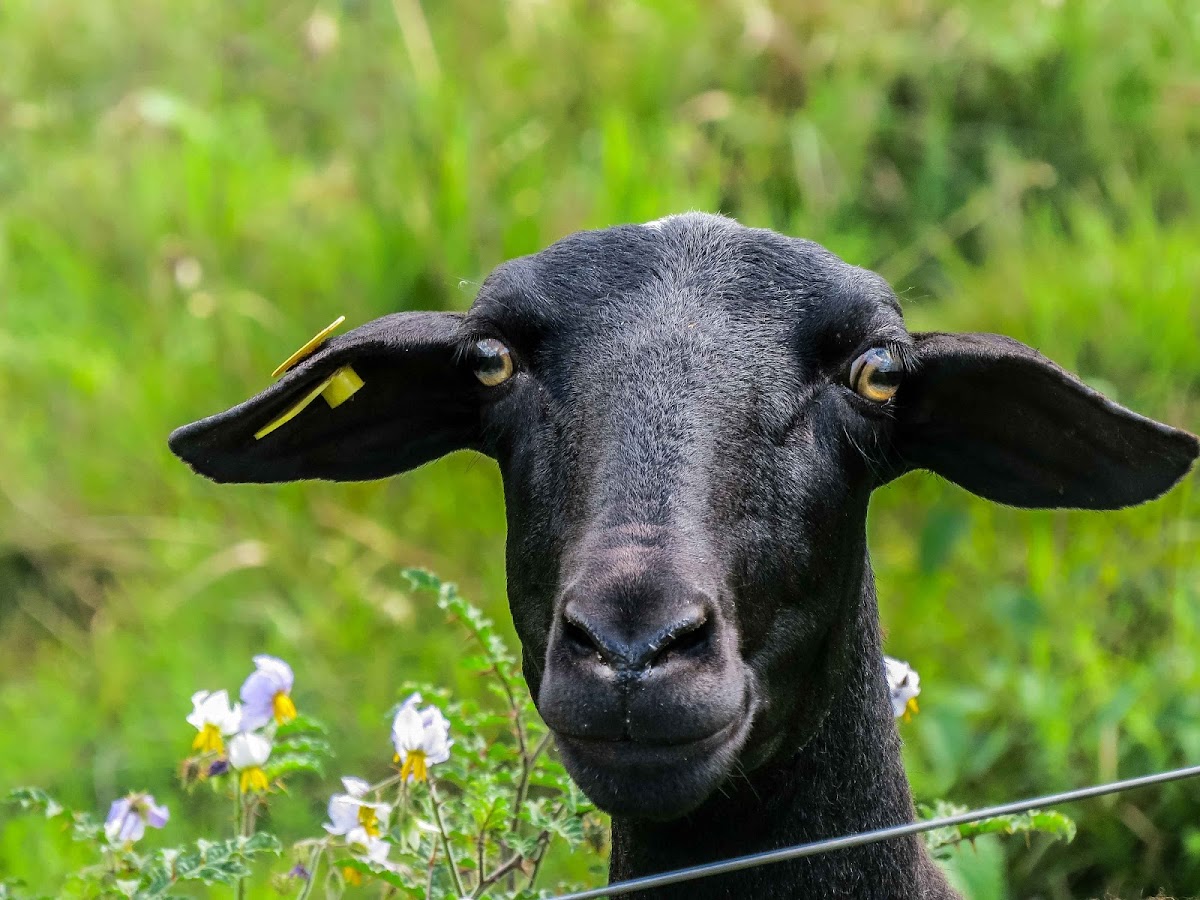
<point>493,362</point>
<point>876,375</point>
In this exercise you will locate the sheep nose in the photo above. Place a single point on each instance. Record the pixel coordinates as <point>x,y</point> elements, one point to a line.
<point>631,645</point>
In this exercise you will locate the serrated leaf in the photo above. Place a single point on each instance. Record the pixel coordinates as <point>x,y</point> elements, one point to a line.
<point>371,870</point>
<point>34,799</point>
<point>939,841</point>
<point>291,763</point>
<point>302,744</point>
<point>301,725</point>
<point>85,827</point>
<point>422,580</point>
<point>260,842</point>
<point>1054,823</point>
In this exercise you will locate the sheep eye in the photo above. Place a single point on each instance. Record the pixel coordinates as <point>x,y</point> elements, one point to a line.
<point>493,362</point>
<point>876,375</point>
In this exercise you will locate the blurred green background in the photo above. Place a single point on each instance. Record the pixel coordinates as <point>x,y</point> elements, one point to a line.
<point>189,190</point>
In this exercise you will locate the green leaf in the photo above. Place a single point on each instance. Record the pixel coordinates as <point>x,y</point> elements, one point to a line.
<point>422,580</point>
<point>85,827</point>
<point>1051,823</point>
<point>372,870</point>
<point>34,799</point>
<point>260,842</point>
<point>291,763</point>
<point>300,725</point>
<point>224,862</point>
<point>313,746</point>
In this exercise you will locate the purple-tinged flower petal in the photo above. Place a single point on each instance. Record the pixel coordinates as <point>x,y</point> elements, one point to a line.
<point>349,812</point>
<point>343,814</point>
<point>124,823</point>
<point>421,737</point>
<point>904,686</point>
<point>279,671</point>
<point>271,677</point>
<point>258,702</point>
<point>156,814</point>
<point>117,813</point>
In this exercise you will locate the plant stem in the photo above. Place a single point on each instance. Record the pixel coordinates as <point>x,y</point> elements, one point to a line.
<point>527,762</point>
<point>513,862</point>
<point>386,783</point>
<point>429,873</point>
<point>538,856</point>
<point>540,853</point>
<point>314,862</point>
<point>481,841</point>
<point>240,819</point>
<point>437,818</point>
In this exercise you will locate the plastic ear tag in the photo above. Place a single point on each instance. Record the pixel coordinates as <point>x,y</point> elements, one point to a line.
<point>336,389</point>
<point>342,385</point>
<point>308,349</point>
<point>339,387</point>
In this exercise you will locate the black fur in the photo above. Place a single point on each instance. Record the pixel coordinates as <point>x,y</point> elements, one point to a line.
<point>687,474</point>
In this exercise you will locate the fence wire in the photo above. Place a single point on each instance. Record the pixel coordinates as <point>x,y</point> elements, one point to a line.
<point>768,857</point>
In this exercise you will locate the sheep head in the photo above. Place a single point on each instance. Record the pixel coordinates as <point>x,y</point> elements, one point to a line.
<point>689,418</point>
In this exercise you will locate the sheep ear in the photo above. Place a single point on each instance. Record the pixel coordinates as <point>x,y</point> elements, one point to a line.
<point>382,399</point>
<point>999,419</point>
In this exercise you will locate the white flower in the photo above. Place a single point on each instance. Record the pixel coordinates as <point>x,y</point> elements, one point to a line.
<point>212,717</point>
<point>267,694</point>
<point>421,738</point>
<point>361,821</point>
<point>376,848</point>
<point>904,684</point>
<point>248,752</point>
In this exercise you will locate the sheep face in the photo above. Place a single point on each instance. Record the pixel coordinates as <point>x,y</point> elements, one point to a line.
<point>689,418</point>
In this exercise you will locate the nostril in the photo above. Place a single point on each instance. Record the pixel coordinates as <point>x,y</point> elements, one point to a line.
<point>693,636</point>
<point>631,645</point>
<point>579,638</point>
<point>689,637</point>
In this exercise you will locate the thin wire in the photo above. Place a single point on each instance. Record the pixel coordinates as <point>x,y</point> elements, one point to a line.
<point>870,837</point>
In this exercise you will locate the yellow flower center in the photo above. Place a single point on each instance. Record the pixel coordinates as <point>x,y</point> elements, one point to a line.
<point>283,707</point>
<point>369,821</point>
<point>208,740</point>
<point>254,779</point>
<point>911,709</point>
<point>352,876</point>
<point>414,765</point>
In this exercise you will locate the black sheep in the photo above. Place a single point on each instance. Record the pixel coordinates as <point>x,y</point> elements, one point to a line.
<point>690,417</point>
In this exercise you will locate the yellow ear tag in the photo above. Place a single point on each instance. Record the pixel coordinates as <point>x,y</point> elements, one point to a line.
<point>310,348</point>
<point>339,387</point>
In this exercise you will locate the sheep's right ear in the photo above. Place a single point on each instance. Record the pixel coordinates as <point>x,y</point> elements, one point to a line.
<point>417,401</point>
<point>999,419</point>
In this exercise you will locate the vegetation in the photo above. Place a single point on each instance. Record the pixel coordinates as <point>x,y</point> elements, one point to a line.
<point>189,190</point>
<point>469,809</point>
<point>482,826</point>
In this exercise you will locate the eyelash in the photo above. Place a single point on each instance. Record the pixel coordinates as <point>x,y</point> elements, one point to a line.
<point>902,353</point>
<point>464,352</point>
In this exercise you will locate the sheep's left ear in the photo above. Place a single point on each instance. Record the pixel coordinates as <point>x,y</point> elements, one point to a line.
<point>381,399</point>
<point>1001,420</point>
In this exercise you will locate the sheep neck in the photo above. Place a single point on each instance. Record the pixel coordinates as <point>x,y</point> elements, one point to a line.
<point>847,777</point>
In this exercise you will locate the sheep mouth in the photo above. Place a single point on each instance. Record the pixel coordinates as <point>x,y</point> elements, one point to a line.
<point>656,781</point>
<point>625,745</point>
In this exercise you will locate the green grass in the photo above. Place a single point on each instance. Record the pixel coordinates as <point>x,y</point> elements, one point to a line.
<point>1032,168</point>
